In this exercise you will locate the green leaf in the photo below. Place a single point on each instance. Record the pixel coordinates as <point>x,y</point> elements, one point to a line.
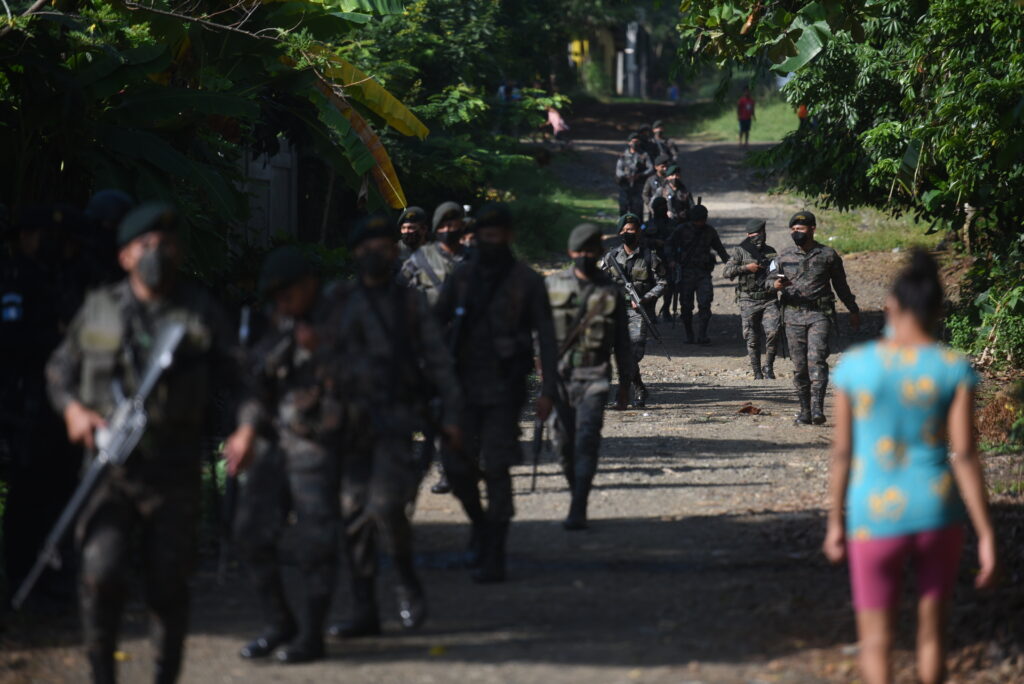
<point>377,6</point>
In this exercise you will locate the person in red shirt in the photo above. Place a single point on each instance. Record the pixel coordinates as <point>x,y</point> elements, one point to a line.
<point>745,113</point>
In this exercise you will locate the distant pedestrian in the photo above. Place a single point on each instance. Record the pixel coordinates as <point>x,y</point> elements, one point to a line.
<point>559,128</point>
<point>801,114</point>
<point>631,172</point>
<point>898,492</point>
<point>745,114</point>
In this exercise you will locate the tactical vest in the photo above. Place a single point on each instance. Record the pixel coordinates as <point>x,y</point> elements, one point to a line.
<point>432,269</point>
<point>752,285</point>
<point>593,345</point>
<point>639,268</point>
<point>693,247</point>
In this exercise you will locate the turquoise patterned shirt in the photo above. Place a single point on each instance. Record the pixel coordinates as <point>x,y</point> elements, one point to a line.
<point>900,477</point>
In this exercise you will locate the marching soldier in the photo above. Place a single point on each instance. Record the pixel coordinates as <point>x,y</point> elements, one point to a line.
<point>390,357</point>
<point>299,474</point>
<point>693,246</point>
<point>412,227</point>
<point>643,268</point>
<point>157,492</point>
<point>653,184</point>
<point>808,272</point>
<point>495,305</point>
<point>663,144</point>
<point>590,323</point>
<point>631,172</point>
<point>677,197</point>
<point>759,306</point>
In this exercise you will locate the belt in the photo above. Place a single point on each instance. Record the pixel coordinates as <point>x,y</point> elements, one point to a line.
<point>761,295</point>
<point>806,305</point>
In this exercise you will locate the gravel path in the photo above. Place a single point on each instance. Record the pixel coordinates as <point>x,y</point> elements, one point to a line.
<point>701,564</point>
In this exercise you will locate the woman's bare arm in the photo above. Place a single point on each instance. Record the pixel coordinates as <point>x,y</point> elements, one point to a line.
<point>839,477</point>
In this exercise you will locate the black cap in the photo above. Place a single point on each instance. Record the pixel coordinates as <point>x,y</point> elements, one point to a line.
<point>147,218</point>
<point>803,218</point>
<point>583,236</point>
<point>755,226</point>
<point>698,212</point>
<point>446,211</point>
<point>628,217</point>
<point>283,267</point>
<point>370,227</point>
<point>414,215</point>
<point>494,214</point>
<point>108,207</point>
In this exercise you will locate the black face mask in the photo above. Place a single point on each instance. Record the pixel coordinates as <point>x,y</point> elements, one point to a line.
<point>631,240</point>
<point>800,238</point>
<point>494,253</point>
<point>757,240</point>
<point>587,265</point>
<point>451,238</point>
<point>155,268</point>
<point>374,265</point>
<point>411,239</point>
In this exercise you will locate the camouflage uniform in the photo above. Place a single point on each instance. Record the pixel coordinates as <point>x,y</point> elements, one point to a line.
<point>157,491</point>
<point>759,305</point>
<point>585,370</point>
<point>809,312</point>
<point>652,189</point>
<point>645,270</point>
<point>638,166</point>
<point>657,231</point>
<point>389,356</point>
<point>665,146</point>
<point>428,268</point>
<point>694,247</point>
<point>678,198</point>
<point>494,311</point>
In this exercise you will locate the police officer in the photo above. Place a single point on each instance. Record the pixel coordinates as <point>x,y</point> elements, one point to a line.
<point>590,323</point>
<point>413,228</point>
<point>759,306</point>
<point>494,305</point>
<point>631,172</point>
<point>157,492</point>
<point>298,473</point>
<point>809,273</point>
<point>693,246</point>
<point>643,268</point>
<point>390,358</point>
<point>652,186</point>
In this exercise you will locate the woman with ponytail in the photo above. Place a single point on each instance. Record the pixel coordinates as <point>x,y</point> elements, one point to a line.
<point>906,475</point>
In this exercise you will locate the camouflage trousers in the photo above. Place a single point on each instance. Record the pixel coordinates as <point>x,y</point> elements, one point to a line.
<point>631,200</point>
<point>490,436</point>
<point>159,509</point>
<point>695,284</point>
<point>297,479</point>
<point>807,334</point>
<point>577,434</point>
<point>760,318</point>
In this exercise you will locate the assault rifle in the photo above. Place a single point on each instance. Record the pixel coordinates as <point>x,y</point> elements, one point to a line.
<point>116,442</point>
<point>637,300</point>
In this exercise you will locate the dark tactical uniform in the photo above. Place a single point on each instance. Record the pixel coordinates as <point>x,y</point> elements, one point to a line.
<point>759,305</point>
<point>595,314</point>
<point>645,270</point>
<point>157,492</point>
<point>631,172</point>
<point>500,307</point>
<point>665,146</point>
<point>809,313</point>
<point>428,268</point>
<point>677,197</point>
<point>652,189</point>
<point>389,358</point>
<point>297,473</point>
<point>694,247</point>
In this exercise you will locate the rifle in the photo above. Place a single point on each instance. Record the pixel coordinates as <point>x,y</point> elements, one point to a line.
<point>116,444</point>
<point>637,300</point>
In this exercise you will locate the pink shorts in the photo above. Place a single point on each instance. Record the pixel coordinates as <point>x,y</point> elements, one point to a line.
<point>877,566</point>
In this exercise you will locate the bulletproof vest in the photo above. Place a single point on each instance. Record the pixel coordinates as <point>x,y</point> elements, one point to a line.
<point>594,343</point>
<point>754,283</point>
<point>502,318</point>
<point>694,247</point>
<point>638,268</point>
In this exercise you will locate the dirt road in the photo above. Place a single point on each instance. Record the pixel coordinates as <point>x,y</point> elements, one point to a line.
<point>701,564</point>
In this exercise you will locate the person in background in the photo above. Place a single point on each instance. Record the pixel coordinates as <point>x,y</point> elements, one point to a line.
<point>906,475</point>
<point>663,144</point>
<point>559,128</point>
<point>631,172</point>
<point>745,114</point>
<point>414,232</point>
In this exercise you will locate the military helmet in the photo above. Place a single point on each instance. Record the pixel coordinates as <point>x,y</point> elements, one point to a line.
<point>584,236</point>
<point>376,225</point>
<point>283,267</point>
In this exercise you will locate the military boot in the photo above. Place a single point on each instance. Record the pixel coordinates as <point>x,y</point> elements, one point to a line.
<point>755,363</point>
<point>804,417</point>
<point>688,329</point>
<point>442,486</point>
<point>639,394</point>
<point>818,408</point>
<point>702,332</point>
<point>365,620</point>
<point>309,645</point>
<point>769,367</point>
<point>492,563</point>
<point>280,623</point>
<point>577,518</point>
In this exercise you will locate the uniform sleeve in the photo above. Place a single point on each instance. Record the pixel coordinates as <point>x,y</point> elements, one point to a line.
<point>544,328</point>
<point>444,308</point>
<point>648,195</point>
<point>838,276</point>
<point>660,279</point>
<point>438,365</point>
<point>64,367</point>
<point>734,267</point>
<point>716,244</point>
<point>620,168</point>
<point>624,360</point>
<point>407,273</point>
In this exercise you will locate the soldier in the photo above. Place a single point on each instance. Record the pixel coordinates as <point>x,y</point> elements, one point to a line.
<point>652,187</point>
<point>645,271</point>
<point>299,474</point>
<point>590,322</point>
<point>693,247</point>
<point>675,193</point>
<point>427,270</point>
<point>495,306</point>
<point>412,226</point>
<point>390,357</point>
<point>807,274</point>
<point>631,172</point>
<point>157,492</point>
<point>657,231</point>
<point>664,145</point>
<point>759,306</point>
